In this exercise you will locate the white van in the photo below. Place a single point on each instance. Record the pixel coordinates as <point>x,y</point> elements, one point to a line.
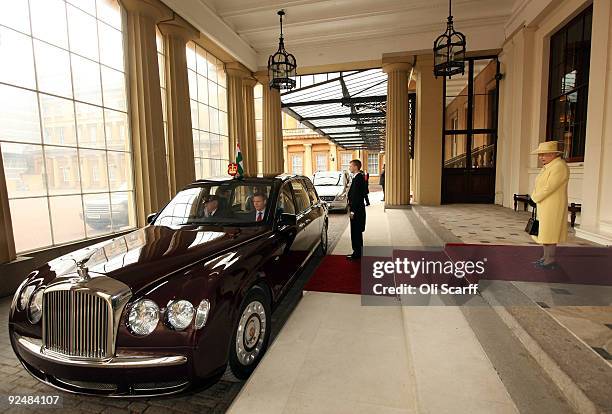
<point>332,187</point>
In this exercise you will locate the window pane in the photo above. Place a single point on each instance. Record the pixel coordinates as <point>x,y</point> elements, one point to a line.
<point>194,114</point>
<point>97,214</point>
<point>86,80</point>
<point>193,84</point>
<point>53,69</point>
<point>49,21</point>
<point>62,170</point>
<point>212,94</point>
<point>90,125</point>
<point>196,143</point>
<point>23,170</point>
<point>223,123</point>
<point>222,98</point>
<point>15,15</point>
<point>483,151</point>
<point>191,57</point>
<point>67,218</point>
<point>57,116</point>
<point>83,33</point>
<point>19,119</point>
<point>17,66</point>
<point>212,67</point>
<point>120,171</point>
<point>455,151</point>
<point>203,117</point>
<point>214,121</point>
<point>202,89</point>
<point>109,12</point>
<point>93,170</point>
<point>86,5</point>
<point>111,46</point>
<point>31,228</point>
<point>123,214</point>
<point>113,85</point>
<point>117,132</point>
<point>204,145</point>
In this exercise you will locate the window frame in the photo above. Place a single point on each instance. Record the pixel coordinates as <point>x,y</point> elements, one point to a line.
<point>576,150</point>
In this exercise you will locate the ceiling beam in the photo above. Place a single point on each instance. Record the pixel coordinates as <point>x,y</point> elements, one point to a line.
<point>343,101</point>
<point>359,116</point>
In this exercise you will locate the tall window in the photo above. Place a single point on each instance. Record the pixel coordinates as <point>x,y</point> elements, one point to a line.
<point>258,97</point>
<point>345,160</point>
<point>161,62</point>
<point>208,93</point>
<point>63,121</point>
<point>570,52</point>
<point>373,163</point>
<point>321,160</point>
<point>297,164</point>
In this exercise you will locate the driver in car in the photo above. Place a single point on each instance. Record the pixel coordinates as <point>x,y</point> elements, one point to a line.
<point>212,209</point>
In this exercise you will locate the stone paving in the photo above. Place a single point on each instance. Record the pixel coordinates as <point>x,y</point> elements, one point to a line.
<point>14,380</point>
<point>489,224</point>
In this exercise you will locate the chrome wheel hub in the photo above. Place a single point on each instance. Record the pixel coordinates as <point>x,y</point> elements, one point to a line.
<point>251,332</point>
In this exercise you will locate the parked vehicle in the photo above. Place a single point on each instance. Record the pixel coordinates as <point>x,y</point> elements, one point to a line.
<point>332,187</point>
<point>168,306</point>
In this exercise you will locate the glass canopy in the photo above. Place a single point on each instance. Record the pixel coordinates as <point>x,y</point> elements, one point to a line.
<point>349,108</point>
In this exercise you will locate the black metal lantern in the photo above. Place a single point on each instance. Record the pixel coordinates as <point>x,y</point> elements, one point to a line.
<point>282,65</point>
<point>449,50</point>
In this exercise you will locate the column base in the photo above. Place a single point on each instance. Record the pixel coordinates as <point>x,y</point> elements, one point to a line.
<point>398,207</point>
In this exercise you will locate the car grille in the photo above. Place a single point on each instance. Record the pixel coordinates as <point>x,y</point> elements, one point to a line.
<point>76,323</point>
<point>328,198</point>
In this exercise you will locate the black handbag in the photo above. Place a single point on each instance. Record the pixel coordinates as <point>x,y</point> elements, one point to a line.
<point>533,225</point>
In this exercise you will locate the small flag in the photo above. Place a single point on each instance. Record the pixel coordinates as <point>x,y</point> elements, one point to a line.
<point>239,161</point>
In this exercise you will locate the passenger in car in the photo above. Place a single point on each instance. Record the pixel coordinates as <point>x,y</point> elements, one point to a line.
<point>259,201</point>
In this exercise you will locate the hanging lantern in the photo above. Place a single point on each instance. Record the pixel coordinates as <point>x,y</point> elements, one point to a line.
<point>449,50</point>
<point>282,65</point>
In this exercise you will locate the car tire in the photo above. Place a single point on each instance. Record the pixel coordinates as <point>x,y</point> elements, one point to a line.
<point>251,333</point>
<point>324,242</point>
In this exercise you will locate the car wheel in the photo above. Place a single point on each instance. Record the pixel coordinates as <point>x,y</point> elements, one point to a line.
<point>324,240</point>
<point>251,333</point>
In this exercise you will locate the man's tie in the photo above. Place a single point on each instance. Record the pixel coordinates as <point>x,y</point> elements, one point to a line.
<point>259,213</point>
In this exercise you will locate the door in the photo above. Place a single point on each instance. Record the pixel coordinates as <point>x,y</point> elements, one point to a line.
<point>470,133</point>
<point>306,227</point>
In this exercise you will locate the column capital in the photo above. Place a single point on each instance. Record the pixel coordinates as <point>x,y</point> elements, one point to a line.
<point>397,67</point>
<point>178,27</point>
<point>238,70</point>
<point>154,9</point>
<point>249,82</point>
<point>262,77</point>
<point>307,145</point>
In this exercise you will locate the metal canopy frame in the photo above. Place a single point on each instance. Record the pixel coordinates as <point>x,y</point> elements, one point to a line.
<point>348,109</point>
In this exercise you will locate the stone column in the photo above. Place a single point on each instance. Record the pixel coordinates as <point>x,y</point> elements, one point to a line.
<point>236,73</point>
<point>7,241</point>
<point>307,160</point>
<point>272,127</point>
<point>250,144</point>
<point>428,139</point>
<point>181,164</point>
<point>397,178</point>
<point>333,157</point>
<point>148,144</point>
<point>286,157</point>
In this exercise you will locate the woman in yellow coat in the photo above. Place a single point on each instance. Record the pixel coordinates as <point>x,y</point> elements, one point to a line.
<point>550,196</point>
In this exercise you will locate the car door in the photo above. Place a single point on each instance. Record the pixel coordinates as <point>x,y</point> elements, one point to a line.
<point>316,214</point>
<point>304,218</point>
<point>288,244</point>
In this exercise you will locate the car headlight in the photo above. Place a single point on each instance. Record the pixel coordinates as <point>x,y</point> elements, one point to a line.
<point>202,314</point>
<point>143,317</point>
<point>180,314</point>
<point>35,307</point>
<point>24,297</point>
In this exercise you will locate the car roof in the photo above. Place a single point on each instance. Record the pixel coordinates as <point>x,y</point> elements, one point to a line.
<point>249,179</point>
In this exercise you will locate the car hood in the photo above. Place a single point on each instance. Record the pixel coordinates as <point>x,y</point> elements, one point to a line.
<point>329,190</point>
<point>145,255</point>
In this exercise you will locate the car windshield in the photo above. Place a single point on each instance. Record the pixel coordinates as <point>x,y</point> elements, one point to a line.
<point>233,202</point>
<point>328,179</point>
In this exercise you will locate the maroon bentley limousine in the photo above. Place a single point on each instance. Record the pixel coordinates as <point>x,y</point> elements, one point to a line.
<point>168,306</point>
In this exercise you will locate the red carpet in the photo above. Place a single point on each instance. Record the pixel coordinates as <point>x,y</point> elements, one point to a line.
<point>336,274</point>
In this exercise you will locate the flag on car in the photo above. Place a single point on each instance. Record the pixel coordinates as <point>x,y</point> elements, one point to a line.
<point>239,161</point>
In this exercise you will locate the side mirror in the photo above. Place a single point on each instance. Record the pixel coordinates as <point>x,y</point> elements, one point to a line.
<point>287,219</point>
<point>151,218</point>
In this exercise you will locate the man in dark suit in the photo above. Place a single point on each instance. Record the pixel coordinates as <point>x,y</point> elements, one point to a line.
<point>356,195</point>
<point>213,209</point>
<point>259,201</point>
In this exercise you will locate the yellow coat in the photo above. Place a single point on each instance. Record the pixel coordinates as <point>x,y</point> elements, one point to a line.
<point>550,194</point>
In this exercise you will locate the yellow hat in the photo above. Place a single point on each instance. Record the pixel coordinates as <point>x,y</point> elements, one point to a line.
<point>547,148</point>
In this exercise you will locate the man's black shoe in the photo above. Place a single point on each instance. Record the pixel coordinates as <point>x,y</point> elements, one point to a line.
<point>352,257</point>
